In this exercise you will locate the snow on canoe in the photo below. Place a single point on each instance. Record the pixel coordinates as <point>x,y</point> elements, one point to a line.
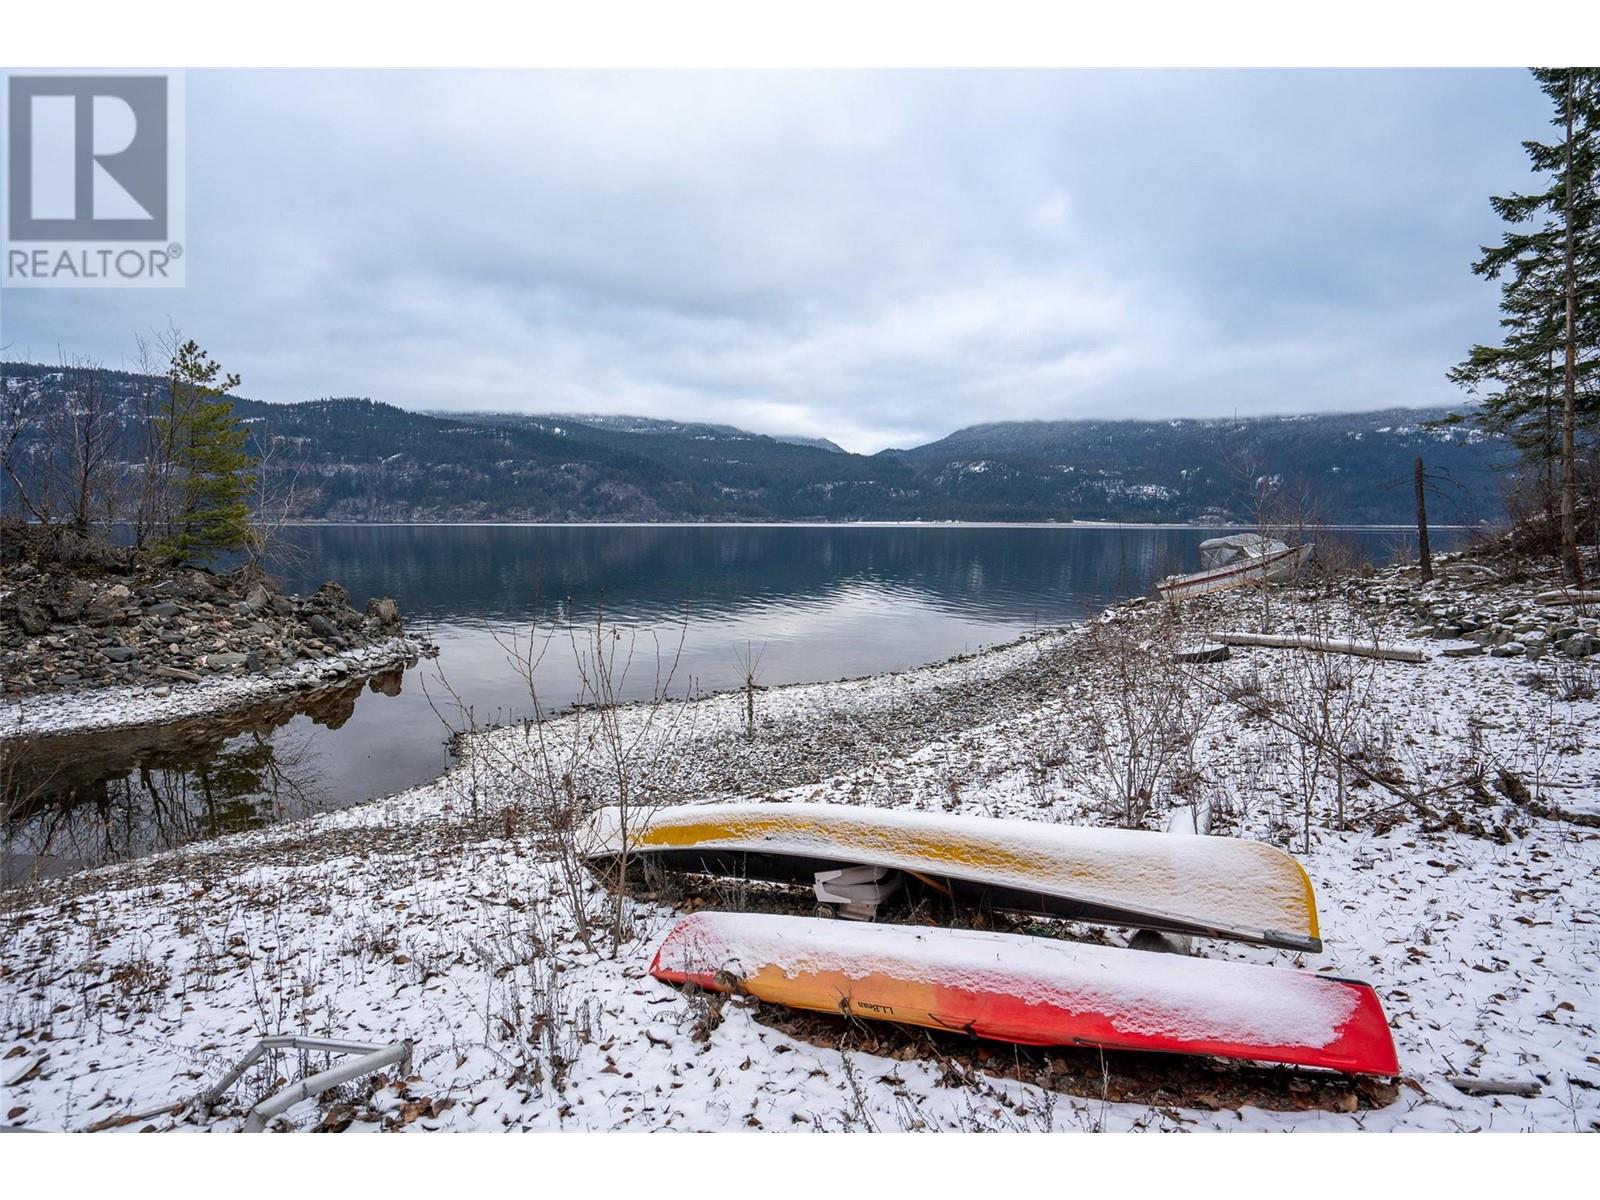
<point>1228,562</point>
<point>1204,886</point>
<point>1036,991</point>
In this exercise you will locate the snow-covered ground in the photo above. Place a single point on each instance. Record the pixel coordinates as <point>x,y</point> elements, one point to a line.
<point>174,700</point>
<point>444,914</point>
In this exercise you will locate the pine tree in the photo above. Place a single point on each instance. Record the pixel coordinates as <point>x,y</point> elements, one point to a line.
<point>1539,385</point>
<point>208,466</point>
<point>1519,382</point>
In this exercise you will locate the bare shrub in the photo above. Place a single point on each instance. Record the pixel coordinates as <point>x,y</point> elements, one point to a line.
<point>1045,756</point>
<point>1318,703</point>
<point>1321,699</point>
<point>275,500</point>
<point>1143,720</point>
<point>1575,681</point>
<point>1339,557</point>
<point>1401,550</point>
<point>600,751</point>
<point>58,455</point>
<point>749,660</point>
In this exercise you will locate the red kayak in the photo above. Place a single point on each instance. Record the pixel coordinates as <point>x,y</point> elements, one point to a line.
<point>1035,991</point>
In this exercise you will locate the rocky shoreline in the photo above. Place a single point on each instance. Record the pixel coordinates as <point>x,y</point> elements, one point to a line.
<point>226,691</point>
<point>120,642</point>
<point>65,632</point>
<point>1505,626</point>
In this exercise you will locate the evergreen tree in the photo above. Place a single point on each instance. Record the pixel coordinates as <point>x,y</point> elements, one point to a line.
<point>1519,382</point>
<point>206,460</point>
<point>1539,385</point>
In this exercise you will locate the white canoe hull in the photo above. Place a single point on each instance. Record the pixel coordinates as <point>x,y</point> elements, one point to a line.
<point>1200,886</point>
<point>1267,568</point>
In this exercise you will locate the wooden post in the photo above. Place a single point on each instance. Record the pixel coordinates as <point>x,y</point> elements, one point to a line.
<point>1424,555</point>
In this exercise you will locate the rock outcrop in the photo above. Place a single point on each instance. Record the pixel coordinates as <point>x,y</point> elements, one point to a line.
<point>97,626</point>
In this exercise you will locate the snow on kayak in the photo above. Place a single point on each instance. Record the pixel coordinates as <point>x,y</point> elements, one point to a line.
<point>1035,991</point>
<point>1207,886</point>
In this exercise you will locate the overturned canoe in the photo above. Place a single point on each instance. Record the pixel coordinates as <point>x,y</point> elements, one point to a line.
<point>1236,562</point>
<point>1035,991</point>
<point>1203,886</point>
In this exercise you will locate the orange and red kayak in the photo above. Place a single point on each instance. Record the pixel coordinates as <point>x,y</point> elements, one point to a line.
<point>1035,991</point>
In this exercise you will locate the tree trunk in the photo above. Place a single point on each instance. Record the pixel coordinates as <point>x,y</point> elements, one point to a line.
<point>1424,555</point>
<point>1571,567</point>
<point>1551,453</point>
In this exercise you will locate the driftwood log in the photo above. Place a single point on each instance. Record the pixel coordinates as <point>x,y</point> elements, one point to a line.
<point>1278,641</point>
<point>1567,596</point>
<point>1493,1087</point>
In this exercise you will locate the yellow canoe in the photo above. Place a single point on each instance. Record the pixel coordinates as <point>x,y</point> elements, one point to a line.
<point>1205,886</point>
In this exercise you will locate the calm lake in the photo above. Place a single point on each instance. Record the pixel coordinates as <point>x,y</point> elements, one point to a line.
<point>806,603</point>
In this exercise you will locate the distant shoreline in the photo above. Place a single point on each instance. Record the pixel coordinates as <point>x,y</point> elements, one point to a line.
<point>1064,525</point>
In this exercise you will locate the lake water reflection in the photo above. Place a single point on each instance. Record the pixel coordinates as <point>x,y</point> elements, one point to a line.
<point>811,602</point>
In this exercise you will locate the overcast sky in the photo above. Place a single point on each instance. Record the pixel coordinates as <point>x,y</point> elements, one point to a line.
<point>874,258</point>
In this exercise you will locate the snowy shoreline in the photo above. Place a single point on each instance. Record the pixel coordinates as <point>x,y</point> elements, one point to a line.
<point>440,914</point>
<point>129,706</point>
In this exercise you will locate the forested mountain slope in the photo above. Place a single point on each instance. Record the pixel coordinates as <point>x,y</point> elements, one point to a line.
<point>361,460</point>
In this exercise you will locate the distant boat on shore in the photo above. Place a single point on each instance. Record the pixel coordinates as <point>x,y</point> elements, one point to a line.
<point>1237,559</point>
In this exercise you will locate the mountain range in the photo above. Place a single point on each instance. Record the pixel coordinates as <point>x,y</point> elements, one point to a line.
<point>355,459</point>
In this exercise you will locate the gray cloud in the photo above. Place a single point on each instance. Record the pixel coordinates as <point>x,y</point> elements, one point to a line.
<point>877,258</point>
